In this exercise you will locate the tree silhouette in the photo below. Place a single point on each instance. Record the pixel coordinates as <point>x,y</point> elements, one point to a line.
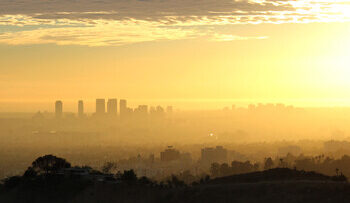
<point>129,176</point>
<point>144,180</point>
<point>225,170</point>
<point>48,164</point>
<point>30,172</point>
<point>174,181</point>
<point>187,177</point>
<point>109,167</point>
<point>215,169</point>
<point>268,163</point>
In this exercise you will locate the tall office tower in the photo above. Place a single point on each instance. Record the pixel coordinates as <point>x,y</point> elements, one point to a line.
<point>58,109</point>
<point>80,108</point>
<point>112,107</point>
<point>123,108</point>
<point>100,106</point>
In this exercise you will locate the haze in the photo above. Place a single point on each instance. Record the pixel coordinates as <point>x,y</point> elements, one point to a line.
<point>125,81</point>
<point>294,52</point>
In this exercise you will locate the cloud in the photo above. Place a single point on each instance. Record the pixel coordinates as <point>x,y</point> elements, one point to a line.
<point>119,22</point>
<point>101,34</point>
<point>137,9</point>
<point>227,37</point>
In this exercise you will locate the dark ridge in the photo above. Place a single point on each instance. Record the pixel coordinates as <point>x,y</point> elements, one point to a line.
<point>276,174</point>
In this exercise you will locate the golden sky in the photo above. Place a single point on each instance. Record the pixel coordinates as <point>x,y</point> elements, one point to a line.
<point>176,50</point>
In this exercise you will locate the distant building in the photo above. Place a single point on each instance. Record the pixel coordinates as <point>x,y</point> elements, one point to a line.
<point>100,106</point>
<point>59,109</point>
<point>123,107</point>
<point>186,157</point>
<point>251,107</point>
<point>157,112</point>
<point>170,154</point>
<point>112,107</point>
<point>152,110</point>
<point>141,111</point>
<point>212,155</point>
<point>80,109</point>
<point>160,110</point>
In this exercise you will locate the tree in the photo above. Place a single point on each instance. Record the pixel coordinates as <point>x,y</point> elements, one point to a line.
<point>48,164</point>
<point>204,178</point>
<point>215,169</point>
<point>129,176</point>
<point>186,176</point>
<point>109,167</point>
<point>30,172</point>
<point>268,163</point>
<point>282,163</point>
<point>174,181</point>
<point>225,170</point>
<point>119,175</point>
<point>238,167</point>
<point>256,167</point>
<point>12,182</point>
<point>144,180</point>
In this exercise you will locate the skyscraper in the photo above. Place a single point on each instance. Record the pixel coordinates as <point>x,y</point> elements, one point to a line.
<point>58,109</point>
<point>80,108</point>
<point>123,107</point>
<point>112,107</point>
<point>100,106</point>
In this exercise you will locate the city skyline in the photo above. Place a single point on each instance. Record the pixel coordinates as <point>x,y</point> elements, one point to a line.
<point>110,109</point>
<point>180,104</point>
<point>188,101</point>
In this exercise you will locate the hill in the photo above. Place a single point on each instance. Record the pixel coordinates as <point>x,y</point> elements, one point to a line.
<point>275,185</point>
<point>277,174</point>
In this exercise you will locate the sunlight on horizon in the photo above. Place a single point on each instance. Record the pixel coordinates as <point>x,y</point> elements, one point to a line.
<point>293,52</point>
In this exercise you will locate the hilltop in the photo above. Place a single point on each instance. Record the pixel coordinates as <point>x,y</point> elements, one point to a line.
<point>274,185</point>
<point>277,175</point>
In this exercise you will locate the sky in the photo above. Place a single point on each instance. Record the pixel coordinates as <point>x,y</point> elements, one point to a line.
<point>174,52</point>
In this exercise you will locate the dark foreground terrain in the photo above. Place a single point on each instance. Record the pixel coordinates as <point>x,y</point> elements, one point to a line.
<point>275,185</point>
